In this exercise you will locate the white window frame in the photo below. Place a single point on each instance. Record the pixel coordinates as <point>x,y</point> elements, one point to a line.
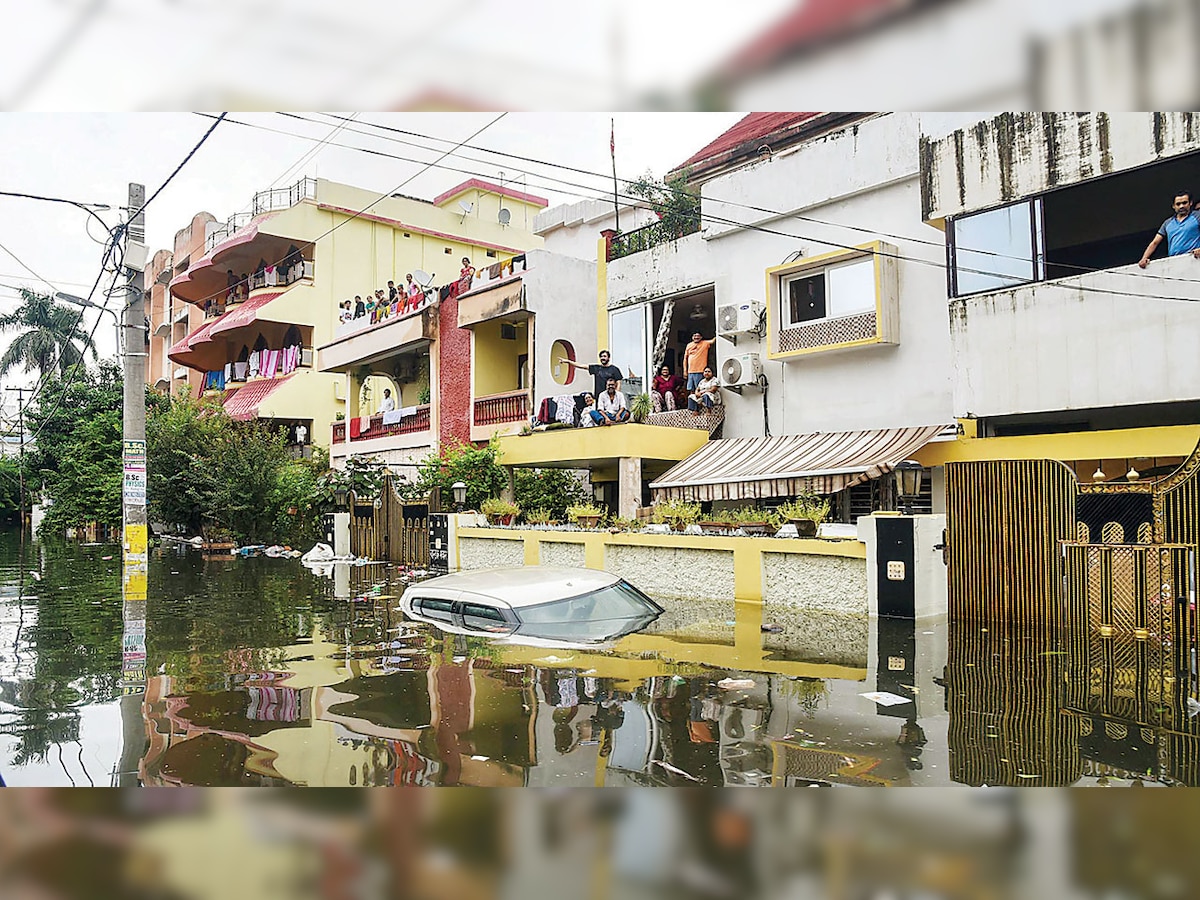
<point>785,282</point>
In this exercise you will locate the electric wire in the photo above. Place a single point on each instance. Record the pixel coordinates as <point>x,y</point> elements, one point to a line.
<point>771,213</point>
<point>593,194</point>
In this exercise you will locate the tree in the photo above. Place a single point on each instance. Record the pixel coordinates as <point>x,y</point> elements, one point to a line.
<point>77,451</point>
<point>50,340</point>
<point>551,490</point>
<point>476,467</point>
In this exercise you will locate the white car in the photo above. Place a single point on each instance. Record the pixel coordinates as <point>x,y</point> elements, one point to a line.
<point>541,605</point>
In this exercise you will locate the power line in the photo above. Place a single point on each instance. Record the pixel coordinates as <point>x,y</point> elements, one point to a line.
<point>761,228</point>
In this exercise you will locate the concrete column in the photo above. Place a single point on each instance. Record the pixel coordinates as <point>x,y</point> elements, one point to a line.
<point>629,486</point>
<point>510,490</point>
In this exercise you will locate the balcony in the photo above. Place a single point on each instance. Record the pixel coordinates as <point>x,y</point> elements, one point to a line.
<point>498,413</point>
<point>650,236</point>
<point>415,424</point>
<point>353,346</point>
<point>264,201</point>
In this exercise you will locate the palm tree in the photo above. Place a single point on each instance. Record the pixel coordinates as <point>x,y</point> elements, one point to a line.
<point>49,338</point>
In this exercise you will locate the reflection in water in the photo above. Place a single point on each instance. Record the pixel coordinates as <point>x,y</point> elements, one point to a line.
<point>258,675</point>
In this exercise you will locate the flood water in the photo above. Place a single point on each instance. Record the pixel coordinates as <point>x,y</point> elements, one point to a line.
<point>257,674</point>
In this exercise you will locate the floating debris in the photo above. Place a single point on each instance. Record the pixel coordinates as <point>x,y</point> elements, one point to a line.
<point>736,684</point>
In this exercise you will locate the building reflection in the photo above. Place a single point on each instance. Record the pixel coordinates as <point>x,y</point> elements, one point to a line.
<point>390,703</point>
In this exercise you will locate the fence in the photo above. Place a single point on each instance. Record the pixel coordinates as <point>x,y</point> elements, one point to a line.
<point>512,406</point>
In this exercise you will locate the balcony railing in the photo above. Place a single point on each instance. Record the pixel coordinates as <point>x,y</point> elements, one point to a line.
<point>264,201</point>
<point>649,236</point>
<point>278,276</point>
<point>498,409</point>
<point>419,421</point>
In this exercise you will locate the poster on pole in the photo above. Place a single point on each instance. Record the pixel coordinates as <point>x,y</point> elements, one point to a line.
<point>133,489</point>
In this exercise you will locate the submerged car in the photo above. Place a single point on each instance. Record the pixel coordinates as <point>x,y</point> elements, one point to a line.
<point>532,604</point>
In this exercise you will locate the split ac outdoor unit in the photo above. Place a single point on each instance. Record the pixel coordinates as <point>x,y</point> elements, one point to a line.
<point>742,318</point>
<point>742,370</point>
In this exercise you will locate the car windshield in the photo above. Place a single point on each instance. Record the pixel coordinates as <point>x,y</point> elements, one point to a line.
<point>598,616</point>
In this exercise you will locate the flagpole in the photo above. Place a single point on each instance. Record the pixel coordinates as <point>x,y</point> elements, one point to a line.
<point>612,149</point>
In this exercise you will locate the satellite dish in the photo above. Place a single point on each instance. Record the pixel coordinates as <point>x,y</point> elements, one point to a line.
<point>422,277</point>
<point>505,216</point>
<point>465,206</point>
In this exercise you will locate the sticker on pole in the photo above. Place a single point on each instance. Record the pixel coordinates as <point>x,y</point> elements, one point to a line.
<point>133,489</point>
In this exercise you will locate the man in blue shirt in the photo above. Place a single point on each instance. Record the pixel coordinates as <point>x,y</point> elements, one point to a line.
<point>1182,231</point>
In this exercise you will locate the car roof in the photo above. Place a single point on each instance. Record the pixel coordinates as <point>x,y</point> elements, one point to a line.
<point>523,585</point>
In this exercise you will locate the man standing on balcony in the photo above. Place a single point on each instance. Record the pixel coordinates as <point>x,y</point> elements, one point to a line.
<point>611,408</point>
<point>1181,231</point>
<point>695,360</point>
<point>388,403</point>
<point>601,373</point>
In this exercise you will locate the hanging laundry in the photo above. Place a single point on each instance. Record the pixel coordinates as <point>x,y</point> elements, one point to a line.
<point>255,362</point>
<point>240,369</point>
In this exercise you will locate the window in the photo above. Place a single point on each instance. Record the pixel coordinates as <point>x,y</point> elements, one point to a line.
<point>484,618</point>
<point>833,302</point>
<point>435,608</point>
<point>997,248</point>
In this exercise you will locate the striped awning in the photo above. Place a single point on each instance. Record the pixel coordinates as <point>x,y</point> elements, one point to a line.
<point>790,464</point>
<point>245,403</point>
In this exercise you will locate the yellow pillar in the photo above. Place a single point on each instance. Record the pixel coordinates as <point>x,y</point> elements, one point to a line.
<point>533,550</point>
<point>747,572</point>
<point>593,551</point>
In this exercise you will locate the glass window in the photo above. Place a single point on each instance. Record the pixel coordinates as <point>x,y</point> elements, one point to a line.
<point>627,342</point>
<point>484,618</point>
<point>805,298</point>
<point>994,249</point>
<point>851,288</point>
<point>436,608</point>
<point>601,615</point>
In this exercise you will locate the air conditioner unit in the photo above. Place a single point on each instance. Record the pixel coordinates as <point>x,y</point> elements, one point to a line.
<point>742,370</point>
<point>739,318</point>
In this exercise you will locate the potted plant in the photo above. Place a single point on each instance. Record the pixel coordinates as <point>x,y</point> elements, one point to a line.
<point>679,514</point>
<point>499,512</point>
<point>537,517</point>
<point>806,512</point>
<point>715,523</point>
<point>756,521</point>
<point>585,515</point>
<point>620,523</point>
<point>639,408</point>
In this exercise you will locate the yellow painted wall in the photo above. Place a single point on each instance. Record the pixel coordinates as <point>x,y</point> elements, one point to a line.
<point>495,361</point>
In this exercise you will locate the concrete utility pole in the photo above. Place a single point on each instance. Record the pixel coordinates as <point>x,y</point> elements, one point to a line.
<point>135,533</point>
<point>21,429</point>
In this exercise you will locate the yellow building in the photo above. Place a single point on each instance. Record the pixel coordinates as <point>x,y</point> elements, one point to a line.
<point>270,283</point>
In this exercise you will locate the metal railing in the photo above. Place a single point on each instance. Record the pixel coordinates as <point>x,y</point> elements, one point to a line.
<point>496,409</point>
<point>649,236</point>
<point>277,276</point>
<point>264,201</point>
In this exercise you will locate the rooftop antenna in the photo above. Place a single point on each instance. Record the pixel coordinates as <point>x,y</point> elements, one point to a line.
<point>466,210</point>
<point>422,277</point>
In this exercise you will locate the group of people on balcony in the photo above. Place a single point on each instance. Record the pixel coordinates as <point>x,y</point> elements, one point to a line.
<point>608,405</point>
<point>394,300</point>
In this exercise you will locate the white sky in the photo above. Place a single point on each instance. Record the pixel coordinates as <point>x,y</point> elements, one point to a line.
<point>91,157</point>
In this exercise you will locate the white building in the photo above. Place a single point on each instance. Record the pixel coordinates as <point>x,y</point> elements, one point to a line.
<point>827,296</point>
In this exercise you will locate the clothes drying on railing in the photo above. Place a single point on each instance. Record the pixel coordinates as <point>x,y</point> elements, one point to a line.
<point>240,371</point>
<point>563,410</point>
<point>214,381</point>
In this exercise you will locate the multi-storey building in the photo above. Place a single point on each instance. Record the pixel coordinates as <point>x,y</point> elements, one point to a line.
<point>171,318</point>
<point>269,285</point>
<point>1062,346</point>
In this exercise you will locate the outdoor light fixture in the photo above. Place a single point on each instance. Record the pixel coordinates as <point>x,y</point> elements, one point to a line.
<point>460,494</point>
<point>908,482</point>
<point>340,496</point>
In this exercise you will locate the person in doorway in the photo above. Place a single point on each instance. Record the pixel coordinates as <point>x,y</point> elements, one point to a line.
<point>611,408</point>
<point>695,359</point>
<point>1181,231</point>
<point>666,385</point>
<point>231,283</point>
<point>601,373</point>
<point>388,403</point>
<point>706,394</point>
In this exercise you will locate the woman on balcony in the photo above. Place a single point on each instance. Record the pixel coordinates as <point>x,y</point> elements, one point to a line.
<point>466,275</point>
<point>414,292</point>
<point>707,393</point>
<point>666,385</point>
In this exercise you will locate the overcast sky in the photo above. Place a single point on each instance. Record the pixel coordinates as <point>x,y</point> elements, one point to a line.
<point>91,158</point>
